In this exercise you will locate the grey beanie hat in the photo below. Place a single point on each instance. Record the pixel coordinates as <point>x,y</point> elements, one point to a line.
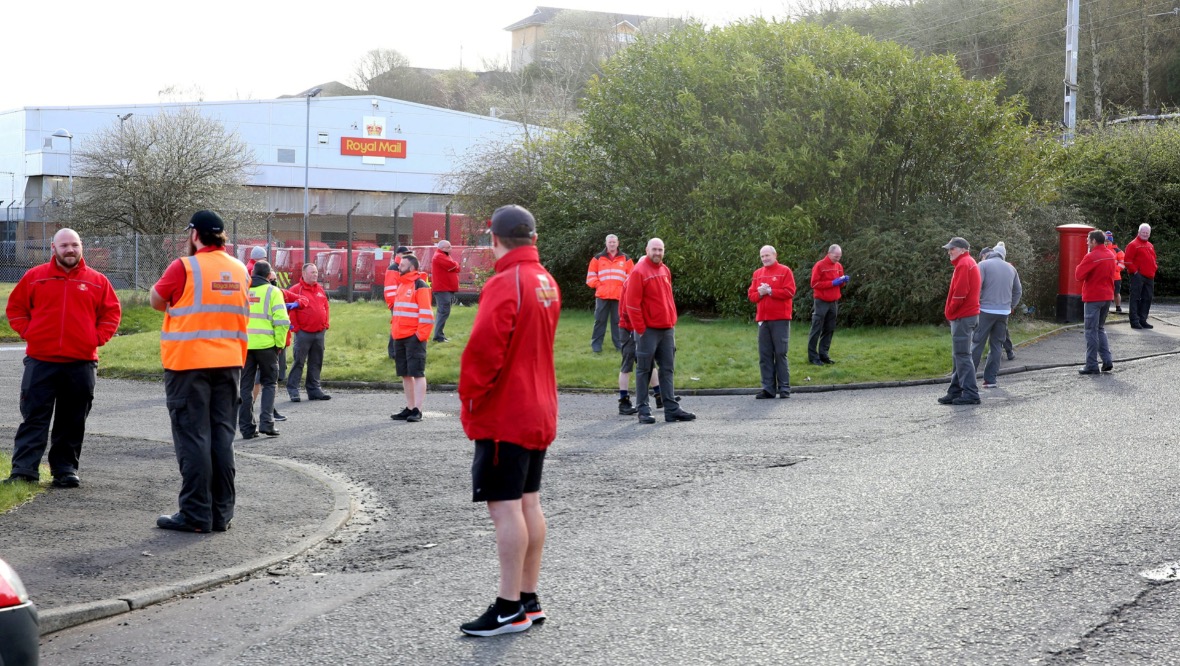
<point>1000,251</point>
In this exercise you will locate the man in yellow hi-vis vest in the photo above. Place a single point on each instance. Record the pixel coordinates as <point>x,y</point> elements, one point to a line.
<point>203,346</point>
<point>267,334</point>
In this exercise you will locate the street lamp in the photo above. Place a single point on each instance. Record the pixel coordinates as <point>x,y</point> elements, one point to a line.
<point>65,134</point>
<point>306,161</point>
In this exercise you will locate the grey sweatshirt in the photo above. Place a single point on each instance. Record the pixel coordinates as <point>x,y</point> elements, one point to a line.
<point>999,285</point>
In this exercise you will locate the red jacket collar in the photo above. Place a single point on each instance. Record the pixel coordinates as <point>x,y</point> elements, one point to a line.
<point>520,255</point>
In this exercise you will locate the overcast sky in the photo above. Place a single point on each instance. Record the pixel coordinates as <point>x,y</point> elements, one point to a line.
<point>82,52</point>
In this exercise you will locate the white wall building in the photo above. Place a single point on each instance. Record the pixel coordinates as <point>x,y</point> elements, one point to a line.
<point>410,148</point>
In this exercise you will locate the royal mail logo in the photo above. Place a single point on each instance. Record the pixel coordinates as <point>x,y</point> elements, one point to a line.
<point>375,129</point>
<point>81,287</point>
<point>395,148</point>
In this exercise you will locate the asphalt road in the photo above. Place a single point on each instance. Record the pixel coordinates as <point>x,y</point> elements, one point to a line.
<point>848,527</point>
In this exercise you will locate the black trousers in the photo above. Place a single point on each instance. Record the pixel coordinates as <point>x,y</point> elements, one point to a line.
<point>657,346</point>
<point>202,405</point>
<point>46,388</point>
<point>264,363</point>
<point>309,349</point>
<point>1142,291</point>
<point>605,311</point>
<point>823,326</point>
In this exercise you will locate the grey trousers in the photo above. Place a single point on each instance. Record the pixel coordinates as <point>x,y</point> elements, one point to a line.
<point>963,379</point>
<point>1094,316</point>
<point>442,301</point>
<point>823,325</point>
<point>264,363</point>
<point>202,405</point>
<point>657,346</point>
<point>605,309</point>
<point>993,331</point>
<point>309,349</point>
<point>774,338</point>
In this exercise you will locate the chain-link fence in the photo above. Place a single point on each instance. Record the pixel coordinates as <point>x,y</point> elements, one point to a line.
<point>130,262</point>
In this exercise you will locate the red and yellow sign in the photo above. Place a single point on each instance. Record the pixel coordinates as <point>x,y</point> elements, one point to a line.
<point>372,147</point>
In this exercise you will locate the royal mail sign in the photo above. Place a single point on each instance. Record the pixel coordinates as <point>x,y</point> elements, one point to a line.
<point>395,148</point>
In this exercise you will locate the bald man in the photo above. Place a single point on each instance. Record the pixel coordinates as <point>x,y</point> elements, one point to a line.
<point>773,290</point>
<point>64,311</point>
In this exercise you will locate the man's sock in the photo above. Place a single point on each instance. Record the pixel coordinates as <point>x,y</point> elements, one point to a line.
<point>526,597</point>
<point>505,608</point>
<point>623,395</point>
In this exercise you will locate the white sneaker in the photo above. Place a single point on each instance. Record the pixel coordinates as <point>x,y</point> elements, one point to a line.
<point>989,385</point>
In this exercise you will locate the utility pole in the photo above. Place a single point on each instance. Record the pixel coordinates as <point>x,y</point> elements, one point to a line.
<point>1071,68</point>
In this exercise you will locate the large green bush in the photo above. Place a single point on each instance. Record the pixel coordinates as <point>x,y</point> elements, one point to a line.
<point>1123,176</point>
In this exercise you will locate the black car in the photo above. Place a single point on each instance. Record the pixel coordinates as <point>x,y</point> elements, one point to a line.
<point>18,622</point>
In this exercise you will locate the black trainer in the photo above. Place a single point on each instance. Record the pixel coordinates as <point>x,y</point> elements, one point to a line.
<point>177,522</point>
<point>414,416</point>
<point>532,609</point>
<point>626,408</point>
<point>69,480</point>
<point>764,395</point>
<point>646,417</point>
<point>679,415</point>
<point>946,399</point>
<point>277,416</point>
<point>1144,324</point>
<point>402,415</point>
<point>491,623</point>
<point>1108,367</point>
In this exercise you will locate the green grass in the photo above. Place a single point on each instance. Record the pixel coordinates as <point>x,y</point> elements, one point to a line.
<point>16,494</point>
<point>6,332</point>
<point>710,353</point>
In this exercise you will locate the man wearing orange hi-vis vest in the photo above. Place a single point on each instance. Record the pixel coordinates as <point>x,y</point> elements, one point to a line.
<point>607,272</point>
<point>410,325</point>
<point>205,301</point>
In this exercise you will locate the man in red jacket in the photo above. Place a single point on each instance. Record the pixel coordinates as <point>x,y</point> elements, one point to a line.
<point>444,272</point>
<point>773,288</point>
<point>651,312</point>
<point>310,323</point>
<point>410,327</point>
<point>64,311</point>
<point>827,280</point>
<point>508,393</point>
<point>1141,264</point>
<point>1097,272</point>
<point>962,311</point>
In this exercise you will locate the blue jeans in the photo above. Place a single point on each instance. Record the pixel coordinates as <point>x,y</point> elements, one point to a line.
<point>963,380</point>
<point>1096,344</point>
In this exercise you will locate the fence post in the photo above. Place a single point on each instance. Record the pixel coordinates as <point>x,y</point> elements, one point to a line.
<point>136,282</point>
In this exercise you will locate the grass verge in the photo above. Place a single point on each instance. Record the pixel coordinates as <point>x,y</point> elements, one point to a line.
<point>13,495</point>
<point>710,353</point>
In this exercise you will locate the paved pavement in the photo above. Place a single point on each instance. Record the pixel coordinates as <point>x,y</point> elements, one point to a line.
<point>98,543</point>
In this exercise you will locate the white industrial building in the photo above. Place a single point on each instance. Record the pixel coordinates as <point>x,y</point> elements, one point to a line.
<point>408,149</point>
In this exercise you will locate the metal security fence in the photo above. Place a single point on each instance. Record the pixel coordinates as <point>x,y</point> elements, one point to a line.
<point>134,262</point>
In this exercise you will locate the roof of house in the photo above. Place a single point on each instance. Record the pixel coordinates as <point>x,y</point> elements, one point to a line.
<point>543,15</point>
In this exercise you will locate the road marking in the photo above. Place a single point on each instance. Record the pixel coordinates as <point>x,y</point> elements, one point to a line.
<point>1163,574</point>
<point>12,349</point>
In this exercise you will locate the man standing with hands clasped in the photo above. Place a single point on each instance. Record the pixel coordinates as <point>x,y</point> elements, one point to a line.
<point>962,311</point>
<point>508,397</point>
<point>773,288</point>
<point>1141,264</point>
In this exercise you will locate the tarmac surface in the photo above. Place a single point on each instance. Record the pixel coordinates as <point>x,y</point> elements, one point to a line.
<point>83,552</point>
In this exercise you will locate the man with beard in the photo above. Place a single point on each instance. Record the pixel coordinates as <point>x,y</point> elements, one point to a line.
<point>651,312</point>
<point>205,301</point>
<point>64,311</point>
<point>410,329</point>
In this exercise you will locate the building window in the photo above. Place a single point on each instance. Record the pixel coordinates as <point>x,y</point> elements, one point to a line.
<point>286,156</point>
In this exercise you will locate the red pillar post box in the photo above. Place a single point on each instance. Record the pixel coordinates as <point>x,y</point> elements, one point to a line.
<point>1072,248</point>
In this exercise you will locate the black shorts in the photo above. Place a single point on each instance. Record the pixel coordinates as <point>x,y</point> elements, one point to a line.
<point>628,352</point>
<point>503,471</point>
<point>409,356</point>
<point>1118,286</point>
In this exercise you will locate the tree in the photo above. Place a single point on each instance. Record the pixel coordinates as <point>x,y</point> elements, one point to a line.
<point>375,63</point>
<point>148,175</point>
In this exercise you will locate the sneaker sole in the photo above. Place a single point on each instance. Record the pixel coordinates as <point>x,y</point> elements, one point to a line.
<point>537,617</point>
<point>513,628</point>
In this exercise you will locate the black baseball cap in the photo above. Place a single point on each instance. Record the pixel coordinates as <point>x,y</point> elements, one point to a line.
<point>206,221</point>
<point>958,242</point>
<point>513,222</point>
<point>402,249</point>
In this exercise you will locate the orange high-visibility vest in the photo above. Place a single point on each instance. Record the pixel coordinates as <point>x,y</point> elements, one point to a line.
<point>207,326</point>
